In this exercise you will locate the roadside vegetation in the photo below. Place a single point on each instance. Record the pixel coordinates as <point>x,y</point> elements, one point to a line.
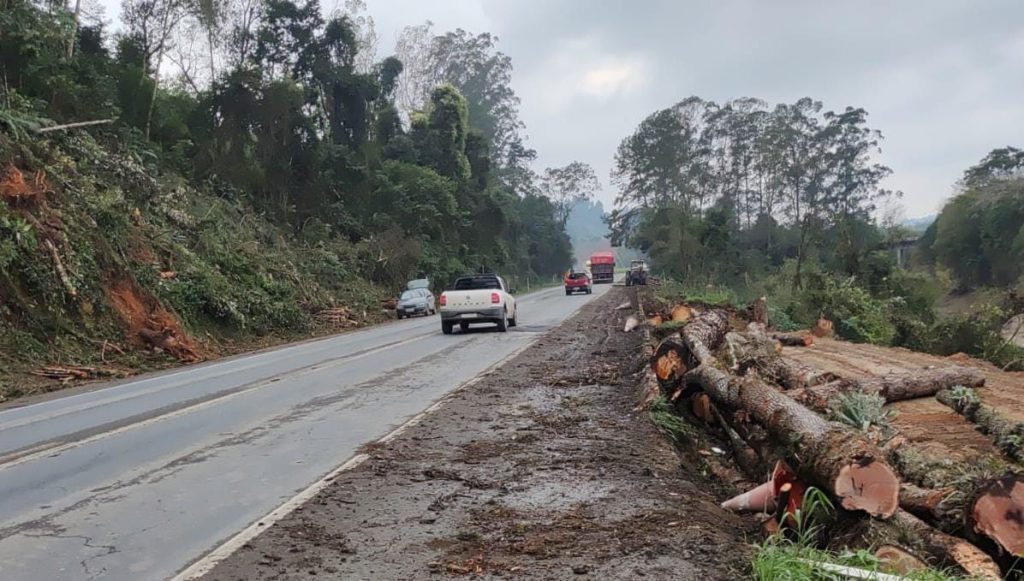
<point>252,165</point>
<point>744,199</point>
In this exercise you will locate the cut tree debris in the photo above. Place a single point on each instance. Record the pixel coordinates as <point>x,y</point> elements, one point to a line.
<point>769,407</point>
<point>924,383</point>
<point>66,374</point>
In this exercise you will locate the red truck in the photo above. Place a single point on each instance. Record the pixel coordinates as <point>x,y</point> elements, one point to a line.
<point>602,267</point>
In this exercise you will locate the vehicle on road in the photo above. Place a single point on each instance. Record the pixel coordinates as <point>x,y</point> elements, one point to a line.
<point>637,274</point>
<point>481,298</point>
<point>419,301</point>
<point>602,267</point>
<point>578,282</point>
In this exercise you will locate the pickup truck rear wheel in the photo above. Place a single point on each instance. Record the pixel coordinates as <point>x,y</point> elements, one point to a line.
<point>446,327</point>
<point>503,321</point>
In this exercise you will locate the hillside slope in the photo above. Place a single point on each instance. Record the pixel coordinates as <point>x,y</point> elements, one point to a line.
<point>105,261</point>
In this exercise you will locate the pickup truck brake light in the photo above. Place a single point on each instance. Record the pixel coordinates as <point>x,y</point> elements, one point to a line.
<point>495,298</point>
<point>444,300</point>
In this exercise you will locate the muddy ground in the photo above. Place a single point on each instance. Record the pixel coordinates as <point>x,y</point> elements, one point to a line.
<point>540,470</point>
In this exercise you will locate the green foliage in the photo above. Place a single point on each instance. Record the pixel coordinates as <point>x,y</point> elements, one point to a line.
<point>794,559</point>
<point>859,410</point>
<point>857,315</point>
<point>669,423</point>
<point>977,334</point>
<point>979,235</point>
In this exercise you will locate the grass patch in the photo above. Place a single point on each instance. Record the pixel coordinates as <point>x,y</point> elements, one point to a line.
<point>665,419</point>
<point>796,558</point>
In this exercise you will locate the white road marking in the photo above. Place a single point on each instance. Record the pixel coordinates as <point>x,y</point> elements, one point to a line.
<point>207,563</point>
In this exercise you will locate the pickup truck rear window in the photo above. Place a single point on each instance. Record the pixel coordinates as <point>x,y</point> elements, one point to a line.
<point>477,284</point>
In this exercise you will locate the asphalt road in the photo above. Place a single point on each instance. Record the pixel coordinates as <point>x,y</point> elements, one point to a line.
<point>139,479</point>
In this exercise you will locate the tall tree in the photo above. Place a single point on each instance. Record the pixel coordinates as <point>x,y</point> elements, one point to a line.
<point>567,186</point>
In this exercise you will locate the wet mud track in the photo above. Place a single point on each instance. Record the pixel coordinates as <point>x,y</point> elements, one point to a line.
<point>539,470</point>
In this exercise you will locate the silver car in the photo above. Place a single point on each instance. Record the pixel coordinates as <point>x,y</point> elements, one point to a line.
<point>418,301</point>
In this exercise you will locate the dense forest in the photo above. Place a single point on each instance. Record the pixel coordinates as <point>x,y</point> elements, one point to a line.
<point>247,164</point>
<point>744,199</point>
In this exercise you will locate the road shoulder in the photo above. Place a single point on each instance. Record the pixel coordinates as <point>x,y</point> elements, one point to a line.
<point>540,469</point>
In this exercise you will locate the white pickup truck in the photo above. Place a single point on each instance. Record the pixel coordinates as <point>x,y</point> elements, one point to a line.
<point>482,298</point>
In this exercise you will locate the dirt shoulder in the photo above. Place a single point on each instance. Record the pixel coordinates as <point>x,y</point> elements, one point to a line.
<point>539,470</point>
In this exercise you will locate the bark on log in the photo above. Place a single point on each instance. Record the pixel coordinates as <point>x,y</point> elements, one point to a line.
<point>933,505</point>
<point>923,383</point>
<point>950,549</point>
<point>1007,434</point>
<point>841,461</point>
<point>792,374</point>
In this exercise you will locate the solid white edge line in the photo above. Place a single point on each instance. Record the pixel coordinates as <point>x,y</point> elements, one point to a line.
<point>208,562</point>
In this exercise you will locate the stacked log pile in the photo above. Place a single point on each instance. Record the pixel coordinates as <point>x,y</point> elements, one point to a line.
<point>773,410</point>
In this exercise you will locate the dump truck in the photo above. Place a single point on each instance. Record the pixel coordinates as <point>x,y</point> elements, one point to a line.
<point>602,267</point>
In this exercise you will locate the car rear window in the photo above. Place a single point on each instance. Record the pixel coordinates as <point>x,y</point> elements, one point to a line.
<point>578,275</point>
<point>477,283</point>
<point>411,294</point>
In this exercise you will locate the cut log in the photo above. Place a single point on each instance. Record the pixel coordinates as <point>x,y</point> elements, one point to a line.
<point>654,321</point>
<point>1007,434</point>
<point>795,340</point>
<point>988,502</point>
<point>675,354</point>
<point>923,383</point>
<point>949,549</point>
<point>898,561</point>
<point>759,311</point>
<point>998,513</point>
<point>792,374</point>
<point>624,306</point>
<point>841,461</point>
<point>681,313</point>
<point>823,328</point>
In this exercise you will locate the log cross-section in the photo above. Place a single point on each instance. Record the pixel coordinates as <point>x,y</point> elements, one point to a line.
<point>841,461</point>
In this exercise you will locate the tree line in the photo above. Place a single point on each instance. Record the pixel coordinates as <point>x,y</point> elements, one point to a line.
<point>718,191</point>
<point>275,102</point>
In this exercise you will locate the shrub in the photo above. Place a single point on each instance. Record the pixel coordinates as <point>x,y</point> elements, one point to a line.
<point>857,315</point>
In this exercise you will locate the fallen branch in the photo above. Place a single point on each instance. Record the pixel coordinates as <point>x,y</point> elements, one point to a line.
<point>74,125</point>
<point>58,265</point>
<point>66,374</point>
<point>923,383</point>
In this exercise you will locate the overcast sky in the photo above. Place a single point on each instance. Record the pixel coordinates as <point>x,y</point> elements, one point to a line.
<point>943,80</point>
